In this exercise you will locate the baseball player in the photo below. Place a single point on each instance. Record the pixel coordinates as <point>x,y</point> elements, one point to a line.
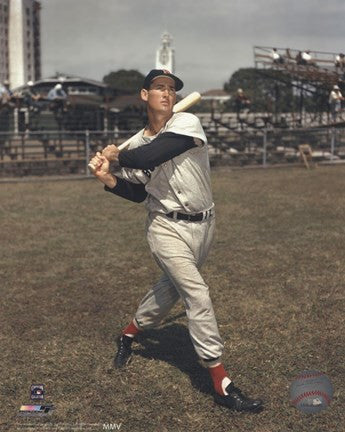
<point>167,165</point>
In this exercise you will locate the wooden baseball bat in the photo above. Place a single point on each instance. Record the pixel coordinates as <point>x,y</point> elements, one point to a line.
<point>181,106</point>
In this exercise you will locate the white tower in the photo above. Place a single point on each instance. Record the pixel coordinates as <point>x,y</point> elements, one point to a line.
<point>24,62</point>
<point>4,11</point>
<point>165,55</point>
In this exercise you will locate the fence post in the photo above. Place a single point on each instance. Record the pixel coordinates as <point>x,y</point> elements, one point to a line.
<point>332,143</point>
<point>87,152</point>
<point>116,135</point>
<point>264,154</point>
<point>16,121</point>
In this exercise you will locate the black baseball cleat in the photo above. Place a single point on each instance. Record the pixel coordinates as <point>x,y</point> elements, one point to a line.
<point>124,351</point>
<point>236,400</point>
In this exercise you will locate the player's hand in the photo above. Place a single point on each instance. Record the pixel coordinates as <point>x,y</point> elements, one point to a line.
<point>111,152</point>
<point>101,164</point>
<point>102,171</point>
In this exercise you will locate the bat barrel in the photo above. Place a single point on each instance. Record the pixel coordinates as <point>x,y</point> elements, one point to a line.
<point>187,102</point>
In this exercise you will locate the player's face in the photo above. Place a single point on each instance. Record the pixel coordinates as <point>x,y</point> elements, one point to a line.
<point>161,95</point>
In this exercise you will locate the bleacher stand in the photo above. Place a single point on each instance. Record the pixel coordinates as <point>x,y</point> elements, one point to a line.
<point>313,74</point>
<point>309,66</point>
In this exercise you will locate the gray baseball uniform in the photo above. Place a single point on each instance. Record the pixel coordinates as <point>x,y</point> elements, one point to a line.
<point>180,185</point>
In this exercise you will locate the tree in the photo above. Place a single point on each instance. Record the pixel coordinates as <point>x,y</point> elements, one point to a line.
<point>125,81</point>
<point>268,90</point>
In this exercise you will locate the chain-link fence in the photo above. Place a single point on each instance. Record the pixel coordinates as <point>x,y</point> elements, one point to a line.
<point>61,153</point>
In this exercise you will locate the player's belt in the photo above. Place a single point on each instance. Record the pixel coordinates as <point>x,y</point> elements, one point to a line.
<point>196,217</point>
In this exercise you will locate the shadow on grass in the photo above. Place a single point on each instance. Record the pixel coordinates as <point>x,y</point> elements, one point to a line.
<point>172,344</point>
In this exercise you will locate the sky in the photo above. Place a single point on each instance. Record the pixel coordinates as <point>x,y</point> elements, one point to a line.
<point>212,38</point>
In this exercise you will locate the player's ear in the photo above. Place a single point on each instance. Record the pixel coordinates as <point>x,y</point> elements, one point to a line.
<point>144,94</point>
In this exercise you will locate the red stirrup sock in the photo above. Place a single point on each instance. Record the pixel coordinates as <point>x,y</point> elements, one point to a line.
<point>131,330</point>
<point>220,379</point>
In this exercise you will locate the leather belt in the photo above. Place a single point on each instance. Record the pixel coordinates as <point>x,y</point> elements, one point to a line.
<point>196,217</point>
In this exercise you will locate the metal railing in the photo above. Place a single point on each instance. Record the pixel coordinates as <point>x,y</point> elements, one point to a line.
<point>62,153</point>
<point>268,147</point>
<point>263,56</point>
<point>53,152</point>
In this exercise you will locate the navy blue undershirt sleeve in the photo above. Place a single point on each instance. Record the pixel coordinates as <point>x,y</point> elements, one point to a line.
<point>163,148</point>
<point>130,191</point>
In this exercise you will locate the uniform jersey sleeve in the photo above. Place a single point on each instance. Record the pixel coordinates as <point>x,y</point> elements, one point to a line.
<point>187,124</point>
<point>163,148</point>
<point>130,191</point>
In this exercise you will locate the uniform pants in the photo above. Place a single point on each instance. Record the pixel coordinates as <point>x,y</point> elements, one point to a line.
<point>180,248</point>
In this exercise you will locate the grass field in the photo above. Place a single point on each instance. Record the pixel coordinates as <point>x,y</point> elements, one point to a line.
<point>74,264</point>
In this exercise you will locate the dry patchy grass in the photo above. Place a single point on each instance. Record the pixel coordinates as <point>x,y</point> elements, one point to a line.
<point>74,264</point>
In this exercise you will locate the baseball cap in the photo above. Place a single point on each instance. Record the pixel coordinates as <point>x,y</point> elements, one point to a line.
<point>335,87</point>
<point>155,73</point>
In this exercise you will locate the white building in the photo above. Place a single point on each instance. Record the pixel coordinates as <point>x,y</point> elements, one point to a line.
<point>20,44</point>
<point>4,65</point>
<point>165,55</point>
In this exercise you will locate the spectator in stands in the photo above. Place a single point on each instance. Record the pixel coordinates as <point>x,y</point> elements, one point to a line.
<point>276,57</point>
<point>5,94</point>
<point>31,97</point>
<point>304,58</point>
<point>340,62</point>
<point>335,98</point>
<point>58,97</point>
<point>242,102</point>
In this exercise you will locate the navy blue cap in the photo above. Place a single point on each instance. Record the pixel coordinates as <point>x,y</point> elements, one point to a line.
<point>155,73</point>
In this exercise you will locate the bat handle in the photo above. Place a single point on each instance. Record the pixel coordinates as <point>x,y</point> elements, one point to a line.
<point>92,167</point>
